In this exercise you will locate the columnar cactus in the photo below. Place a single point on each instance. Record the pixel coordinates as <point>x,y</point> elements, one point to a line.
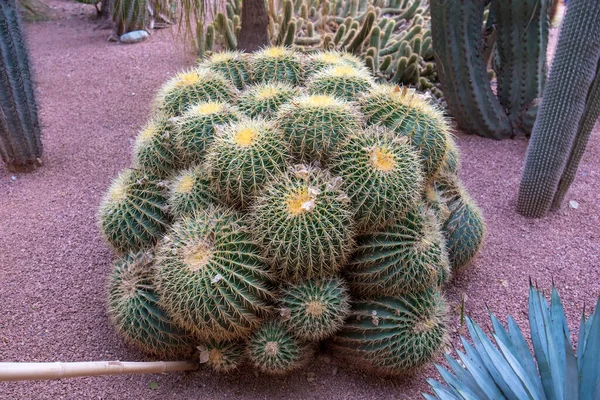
<point>520,64</point>
<point>258,257</point>
<point>567,112</point>
<point>20,145</point>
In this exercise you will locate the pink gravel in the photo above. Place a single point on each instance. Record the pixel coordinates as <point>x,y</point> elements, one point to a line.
<point>94,96</point>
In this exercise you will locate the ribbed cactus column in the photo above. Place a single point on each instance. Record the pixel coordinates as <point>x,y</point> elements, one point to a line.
<point>586,125</point>
<point>456,31</point>
<point>521,39</point>
<point>563,105</point>
<point>20,145</point>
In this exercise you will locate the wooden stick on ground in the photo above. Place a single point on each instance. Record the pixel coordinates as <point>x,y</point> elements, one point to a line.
<point>59,370</point>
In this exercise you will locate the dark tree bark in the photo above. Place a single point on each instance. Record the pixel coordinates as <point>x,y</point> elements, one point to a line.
<point>255,21</point>
<point>106,9</point>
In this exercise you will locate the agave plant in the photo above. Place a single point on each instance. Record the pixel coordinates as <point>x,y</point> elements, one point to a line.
<point>509,370</point>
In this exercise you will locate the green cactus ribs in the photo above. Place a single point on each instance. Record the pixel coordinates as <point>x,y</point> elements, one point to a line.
<point>265,99</point>
<point>315,125</point>
<point>381,173</point>
<point>343,81</point>
<point>274,350</point>
<point>222,356</point>
<point>153,150</point>
<point>277,64</point>
<point>188,88</point>
<point>410,115</point>
<point>408,256</point>
<point>190,191</point>
<point>134,309</point>
<point>244,157</point>
<point>315,309</point>
<point>394,335</point>
<point>234,65</point>
<point>195,129</point>
<point>211,277</point>
<point>133,213</point>
<point>304,222</point>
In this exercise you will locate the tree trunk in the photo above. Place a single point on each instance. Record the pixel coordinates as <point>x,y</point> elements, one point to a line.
<point>106,9</point>
<point>255,21</point>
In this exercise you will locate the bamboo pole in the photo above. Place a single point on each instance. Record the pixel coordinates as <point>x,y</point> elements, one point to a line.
<point>58,370</point>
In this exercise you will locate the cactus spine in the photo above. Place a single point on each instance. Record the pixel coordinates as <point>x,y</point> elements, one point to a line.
<point>559,134</point>
<point>20,145</point>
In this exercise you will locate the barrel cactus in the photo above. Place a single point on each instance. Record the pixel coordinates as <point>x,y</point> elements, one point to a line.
<point>290,201</point>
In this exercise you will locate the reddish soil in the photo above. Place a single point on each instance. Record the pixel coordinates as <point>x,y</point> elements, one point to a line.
<point>94,96</point>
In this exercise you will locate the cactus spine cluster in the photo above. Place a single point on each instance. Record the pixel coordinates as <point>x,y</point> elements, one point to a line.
<point>20,145</point>
<point>568,112</point>
<point>258,257</point>
<point>520,64</point>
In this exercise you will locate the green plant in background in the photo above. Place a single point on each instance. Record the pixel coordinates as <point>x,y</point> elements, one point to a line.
<point>508,370</point>
<point>519,63</point>
<point>393,37</point>
<point>268,282</point>
<point>568,112</point>
<point>20,144</point>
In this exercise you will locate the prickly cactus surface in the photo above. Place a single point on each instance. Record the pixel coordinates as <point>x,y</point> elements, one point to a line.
<point>289,201</point>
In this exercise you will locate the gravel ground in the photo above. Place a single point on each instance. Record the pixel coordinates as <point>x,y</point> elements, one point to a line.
<point>94,96</point>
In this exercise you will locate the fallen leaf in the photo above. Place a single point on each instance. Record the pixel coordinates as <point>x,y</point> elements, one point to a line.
<point>153,385</point>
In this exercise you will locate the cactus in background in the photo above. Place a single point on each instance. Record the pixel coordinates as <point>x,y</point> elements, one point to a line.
<point>521,38</point>
<point>130,15</point>
<point>381,174</point>
<point>245,155</point>
<point>408,256</point>
<point>567,112</point>
<point>133,213</point>
<point>191,87</point>
<point>315,125</point>
<point>274,350</point>
<point>133,306</point>
<point>393,37</point>
<point>394,335</point>
<point>211,277</point>
<point>190,191</point>
<point>304,223</point>
<point>20,145</point>
<point>521,42</point>
<point>314,310</point>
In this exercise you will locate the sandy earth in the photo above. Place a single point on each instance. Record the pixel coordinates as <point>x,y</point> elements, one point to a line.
<point>93,97</point>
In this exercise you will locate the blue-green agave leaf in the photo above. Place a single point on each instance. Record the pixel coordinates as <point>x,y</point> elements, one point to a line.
<point>442,392</point>
<point>571,372</point>
<point>525,356</point>
<point>464,375</point>
<point>456,385</point>
<point>479,371</point>
<point>503,375</point>
<point>581,340</point>
<point>590,366</point>
<point>537,324</point>
<point>556,347</point>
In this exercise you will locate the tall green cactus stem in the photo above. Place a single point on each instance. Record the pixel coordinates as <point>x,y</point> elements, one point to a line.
<point>130,15</point>
<point>521,40</point>
<point>456,32</point>
<point>20,145</point>
<point>211,277</point>
<point>557,128</point>
<point>133,306</point>
<point>586,125</point>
